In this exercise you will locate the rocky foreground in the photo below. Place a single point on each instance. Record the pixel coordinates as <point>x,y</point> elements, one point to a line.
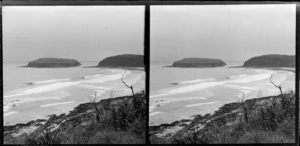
<point>261,120</point>
<point>272,60</point>
<point>198,63</point>
<point>119,120</point>
<point>53,63</point>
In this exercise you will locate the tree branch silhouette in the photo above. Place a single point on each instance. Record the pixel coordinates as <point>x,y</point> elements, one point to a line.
<point>131,87</point>
<point>277,86</point>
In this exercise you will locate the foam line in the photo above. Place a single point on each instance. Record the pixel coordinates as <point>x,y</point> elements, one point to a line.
<point>59,103</point>
<point>10,104</point>
<point>92,76</point>
<point>107,78</point>
<point>9,113</point>
<point>154,113</point>
<point>161,102</point>
<point>55,84</point>
<point>133,80</point>
<point>192,81</point>
<point>93,87</point>
<point>6,108</point>
<point>204,85</point>
<point>199,104</point>
<point>47,81</point>
<point>42,89</point>
<point>195,87</point>
<point>252,78</point>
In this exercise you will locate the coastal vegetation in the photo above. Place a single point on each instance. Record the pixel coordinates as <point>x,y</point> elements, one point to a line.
<point>53,63</point>
<point>120,120</point>
<point>271,60</point>
<point>269,119</point>
<point>260,120</point>
<point>125,60</point>
<point>198,63</point>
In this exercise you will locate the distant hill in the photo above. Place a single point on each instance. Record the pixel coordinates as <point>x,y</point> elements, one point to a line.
<point>53,63</point>
<point>272,60</point>
<point>198,63</point>
<point>125,60</point>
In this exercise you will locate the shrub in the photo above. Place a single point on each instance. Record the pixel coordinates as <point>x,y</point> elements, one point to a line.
<point>122,123</point>
<point>273,122</point>
<point>45,138</point>
<point>115,137</point>
<point>264,137</point>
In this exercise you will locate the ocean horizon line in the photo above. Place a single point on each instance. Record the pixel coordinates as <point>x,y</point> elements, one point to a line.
<point>224,60</point>
<point>31,60</point>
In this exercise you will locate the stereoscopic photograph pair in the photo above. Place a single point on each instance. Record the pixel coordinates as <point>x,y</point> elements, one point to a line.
<point>150,72</point>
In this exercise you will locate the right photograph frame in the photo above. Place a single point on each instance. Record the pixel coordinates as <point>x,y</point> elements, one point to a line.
<point>223,74</point>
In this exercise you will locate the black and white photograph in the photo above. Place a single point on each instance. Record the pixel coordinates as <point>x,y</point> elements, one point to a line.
<point>74,75</point>
<point>222,74</point>
<point>150,72</point>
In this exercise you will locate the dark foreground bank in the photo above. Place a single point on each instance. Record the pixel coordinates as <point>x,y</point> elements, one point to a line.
<point>261,120</point>
<point>119,120</point>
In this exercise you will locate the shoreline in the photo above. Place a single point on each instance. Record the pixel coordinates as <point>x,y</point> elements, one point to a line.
<point>13,102</point>
<point>170,66</point>
<point>82,116</point>
<point>291,69</point>
<point>81,104</point>
<point>157,103</point>
<point>49,67</point>
<point>124,68</point>
<point>228,112</point>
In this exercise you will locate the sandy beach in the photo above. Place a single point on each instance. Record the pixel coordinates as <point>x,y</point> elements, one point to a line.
<point>39,99</point>
<point>202,96</point>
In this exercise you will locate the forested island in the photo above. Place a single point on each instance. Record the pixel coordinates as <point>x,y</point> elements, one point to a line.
<point>271,60</point>
<point>198,63</point>
<point>53,63</point>
<point>125,60</point>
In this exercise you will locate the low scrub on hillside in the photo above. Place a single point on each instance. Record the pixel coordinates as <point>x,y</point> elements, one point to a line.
<point>270,120</point>
<point>119,123</point>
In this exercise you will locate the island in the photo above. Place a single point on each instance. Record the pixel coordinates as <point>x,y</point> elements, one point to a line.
<point>53,63</point>
<point>271,60</point>
<point>198,63</point>
<point>125,60</point>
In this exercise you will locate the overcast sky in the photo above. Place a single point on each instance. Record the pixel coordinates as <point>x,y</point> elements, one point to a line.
<point>85,33</point>
<point>228,32</point>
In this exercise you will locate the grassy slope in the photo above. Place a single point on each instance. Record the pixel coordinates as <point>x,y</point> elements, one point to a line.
<point>119,120</point>
<point>262,120</point>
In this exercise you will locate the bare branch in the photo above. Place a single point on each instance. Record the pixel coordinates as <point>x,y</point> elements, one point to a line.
<point>123,80</point>
<point>111,94</point>
<point>277,86</point>
<point>259,94</point>
<point>243,97</point>
<point>131,88</point>
<point>97,110</point>
<point>272,81</point>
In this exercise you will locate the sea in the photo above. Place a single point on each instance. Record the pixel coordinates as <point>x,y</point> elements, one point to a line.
<point>37,93</point>
<point>181,93</point>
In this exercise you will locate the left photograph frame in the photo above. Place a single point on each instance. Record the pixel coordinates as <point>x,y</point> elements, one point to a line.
<point>74,74</point>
